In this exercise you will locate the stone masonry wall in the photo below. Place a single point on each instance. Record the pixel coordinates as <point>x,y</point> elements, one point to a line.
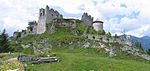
<point>87,20</point>
<point>46,16</point>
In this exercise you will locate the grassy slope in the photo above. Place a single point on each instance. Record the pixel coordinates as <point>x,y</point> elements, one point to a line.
<point>81,59</point>
<point>11,64</point>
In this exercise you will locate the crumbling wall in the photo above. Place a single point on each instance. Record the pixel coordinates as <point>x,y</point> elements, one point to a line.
<point>65,23</point>
<point>51,14</point>
<point>46,16</point>
<point>87,20</point>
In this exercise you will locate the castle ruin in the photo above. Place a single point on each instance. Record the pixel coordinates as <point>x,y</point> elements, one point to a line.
<point>49,15</point>
<point>87,20</point>
<point>46,16</point>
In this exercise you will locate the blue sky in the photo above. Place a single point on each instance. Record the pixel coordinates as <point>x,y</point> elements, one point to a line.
<point>120,16</point>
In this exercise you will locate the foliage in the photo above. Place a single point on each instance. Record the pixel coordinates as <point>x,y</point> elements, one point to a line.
<point>88,59</point>
<point>28,50</point>
<point>4,42</point>
<point>11,65</point>
<point>6,63</point>
<point>93,31</point>
<point>5,56</point>
<point>29,27</point>
<point>138,45</point>
<point>81,59</point>
<point>108,35</point>
<point>103,32</point>
<point>78,21</point>
<point>48,26</point>
<point>148,51</point>
<point>18,35</point>
<point>80,29</point>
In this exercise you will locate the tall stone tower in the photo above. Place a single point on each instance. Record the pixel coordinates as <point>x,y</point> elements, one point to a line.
<point>46,16</point>
<point>41,26</point>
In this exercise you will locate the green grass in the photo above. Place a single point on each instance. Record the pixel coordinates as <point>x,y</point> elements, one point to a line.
<point>89,59</point>
<point>5,56</point>
<point>7,65</point>
<point>81,59</point>
<point>11,65</point>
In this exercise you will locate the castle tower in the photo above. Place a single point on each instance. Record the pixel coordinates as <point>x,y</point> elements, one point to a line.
<point>47,10</point>
<point>46,16</point>
<point>41,26</point>
<point>98,25</point>
<point>87,20</point>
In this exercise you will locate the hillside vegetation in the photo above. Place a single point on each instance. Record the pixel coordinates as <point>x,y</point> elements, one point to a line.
<point>89,59</point>
<point>67,45</point>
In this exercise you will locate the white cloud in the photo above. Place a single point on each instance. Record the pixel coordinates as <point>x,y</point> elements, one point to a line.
<point>132,26</point>
<point>18,13</point>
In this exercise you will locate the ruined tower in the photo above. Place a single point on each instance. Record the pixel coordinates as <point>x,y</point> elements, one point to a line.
<point>41,26</point>
<point>87,20</point>
<point>46,16</point>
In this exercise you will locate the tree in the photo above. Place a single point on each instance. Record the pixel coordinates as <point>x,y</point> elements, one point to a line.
<point>103,32</point>
<point>108,35</point>
<point>148,51</point>
<point>4,42</point>
<point>139,45</point>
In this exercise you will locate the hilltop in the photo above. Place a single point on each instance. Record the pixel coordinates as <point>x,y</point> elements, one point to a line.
<point>80,46</point>
<point>52,30</point>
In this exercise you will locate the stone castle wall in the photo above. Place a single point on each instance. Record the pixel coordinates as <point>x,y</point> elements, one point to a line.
<point>46,16</point>
<point>65,23</point>
<point>87,20</point>
<point>98,25</point>
<point>49,15</point>
<point>106,39</point>
<point>32,27</point>
<point>41,26</point>
<point>52,14</point>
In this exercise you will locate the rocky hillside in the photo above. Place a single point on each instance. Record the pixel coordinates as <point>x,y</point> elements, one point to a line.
<point>76,37</point>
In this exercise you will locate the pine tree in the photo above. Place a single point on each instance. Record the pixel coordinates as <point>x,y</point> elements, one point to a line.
<point>4,43</point>
<point>139,45</point>
<point>108,35</point>
<point>148,51</point>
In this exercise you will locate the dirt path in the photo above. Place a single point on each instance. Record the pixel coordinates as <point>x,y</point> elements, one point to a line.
<point>11,59</point>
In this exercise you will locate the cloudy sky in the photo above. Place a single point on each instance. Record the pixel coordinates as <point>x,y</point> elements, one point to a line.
<point>131,17</point>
